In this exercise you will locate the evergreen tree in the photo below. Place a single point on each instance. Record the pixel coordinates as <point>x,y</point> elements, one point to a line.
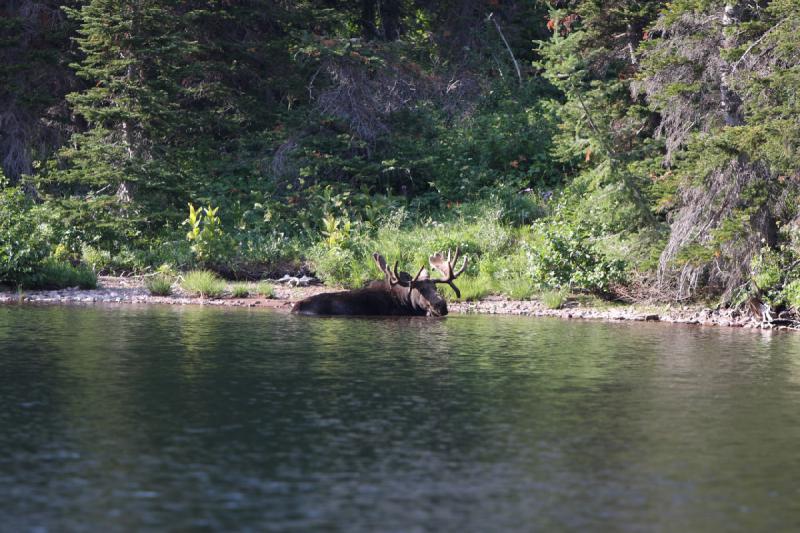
<point>723,194</point>
<point>34,77</point>
<point>133,52</point>
<point>592,57</point>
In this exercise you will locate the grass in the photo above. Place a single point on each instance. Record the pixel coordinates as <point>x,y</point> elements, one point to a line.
<point>53,274</point>
<point>203,283</point>
<point>518,288</point>
<point>240,290</point>
<point>472,288</point>
<point>265,289</point>
<point>159,285</point>
<point>410,243</point>
<point>554,299</point>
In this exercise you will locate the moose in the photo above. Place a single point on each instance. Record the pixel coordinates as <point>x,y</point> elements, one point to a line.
<point>398,294</point>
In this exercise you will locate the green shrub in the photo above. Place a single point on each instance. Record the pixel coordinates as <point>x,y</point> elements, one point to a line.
<point>52,274</point>
<point>767,269</point>
<point>23,244</point>
<point>554,299</point>
<point>265,289</point>
<point>177,254</point>
<point>159,285</point>
<point>348,260</point>
<point>791,293</point>
<point>562,253</point>
<point>95,258</point>
<point>203,283</point>
<point>240,290</point>
<point>210,243</point>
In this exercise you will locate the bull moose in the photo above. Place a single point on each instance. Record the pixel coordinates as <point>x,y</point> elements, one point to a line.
<point>398,294</point>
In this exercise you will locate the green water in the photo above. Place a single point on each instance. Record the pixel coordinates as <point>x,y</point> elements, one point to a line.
<point>123,418</point>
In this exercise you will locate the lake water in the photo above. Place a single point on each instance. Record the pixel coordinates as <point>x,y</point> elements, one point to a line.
<point>125,418</point>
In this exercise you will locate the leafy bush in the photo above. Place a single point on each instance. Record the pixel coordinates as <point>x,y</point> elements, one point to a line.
<point>766,269</point>
<point>22,243</point>
<point>340,266</point>
<point>773,276</point>
<point>791,294</point>
<point>159,285</point>
<point>210,244</point>
<point>176,253</point>
<point>475,232</point>
<point>562,254</point>
<point>95,258</point>
<point>53,274</point>
<point>203,283</point>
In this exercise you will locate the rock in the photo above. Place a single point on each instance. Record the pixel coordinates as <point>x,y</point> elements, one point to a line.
<point>652,318</point>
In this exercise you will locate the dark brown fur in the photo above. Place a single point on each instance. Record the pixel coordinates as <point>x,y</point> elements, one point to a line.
<point>376,300</point>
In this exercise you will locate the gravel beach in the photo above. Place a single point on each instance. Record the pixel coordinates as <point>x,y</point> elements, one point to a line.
<point>131,290</point>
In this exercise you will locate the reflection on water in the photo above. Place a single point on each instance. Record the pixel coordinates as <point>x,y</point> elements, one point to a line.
<point>193,418</point>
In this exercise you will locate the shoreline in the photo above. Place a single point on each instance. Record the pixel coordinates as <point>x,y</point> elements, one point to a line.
<point>120,290</point>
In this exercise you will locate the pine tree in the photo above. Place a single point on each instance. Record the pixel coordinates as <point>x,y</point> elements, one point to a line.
<point>178,96</point>
<point>132,52</point>
<point>592,58</point>
<point>34,77</point>
<point>699,78</point>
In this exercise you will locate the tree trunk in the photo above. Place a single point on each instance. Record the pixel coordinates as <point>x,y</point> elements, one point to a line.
<point>368,30</point>
<point>633,34</point>
<point>390,19</point>
<point>125,188</point>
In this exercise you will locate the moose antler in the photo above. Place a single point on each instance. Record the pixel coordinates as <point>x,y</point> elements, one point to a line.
<point>395,276</point>
<point>416,278</point>
<point>446,267</point>
<point>392,277</point>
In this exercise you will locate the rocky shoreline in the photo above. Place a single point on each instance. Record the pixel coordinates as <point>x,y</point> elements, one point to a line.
<point>131,290</point>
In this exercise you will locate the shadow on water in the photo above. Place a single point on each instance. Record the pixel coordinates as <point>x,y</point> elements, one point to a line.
<point>197,418</point>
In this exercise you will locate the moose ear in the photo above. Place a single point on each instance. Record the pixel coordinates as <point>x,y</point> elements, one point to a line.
<point>380,261</point>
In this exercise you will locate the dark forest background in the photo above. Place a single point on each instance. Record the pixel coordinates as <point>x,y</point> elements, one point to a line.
<point>635,149</point>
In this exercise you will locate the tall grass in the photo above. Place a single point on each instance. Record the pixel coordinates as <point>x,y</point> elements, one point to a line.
<point>203,283</point>
<point>410,243</point>
<point>473,288</point>
<point>554,299</point>
<point>265,289</point>
<point>53,274</point>
<point>159,285</point>
<point>240,290</point>
<point>518,288</point>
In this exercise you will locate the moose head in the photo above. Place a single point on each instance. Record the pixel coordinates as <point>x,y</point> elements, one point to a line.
<point>419,293</point>
<point>398,294</point>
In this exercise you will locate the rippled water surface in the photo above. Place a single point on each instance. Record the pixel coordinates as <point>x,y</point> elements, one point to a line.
<point>191,418</point>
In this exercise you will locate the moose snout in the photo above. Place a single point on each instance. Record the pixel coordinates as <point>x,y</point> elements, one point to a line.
<point>438,310</point>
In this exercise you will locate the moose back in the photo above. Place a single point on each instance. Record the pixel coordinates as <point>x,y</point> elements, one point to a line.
<point>399,294</point>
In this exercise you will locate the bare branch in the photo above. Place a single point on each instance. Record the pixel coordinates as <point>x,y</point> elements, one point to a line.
<point>508,47</point>
<point>756,43</point>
